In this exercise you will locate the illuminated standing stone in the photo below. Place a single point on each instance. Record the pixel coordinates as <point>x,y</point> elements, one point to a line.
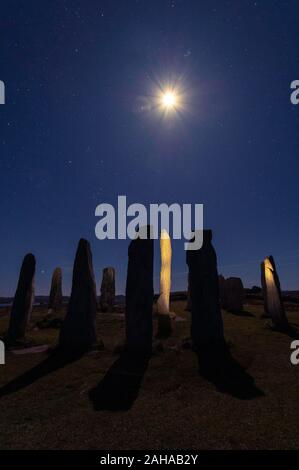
<point>139,295</point>
<point>78,331</point>
<point>107,297</point>
<point>272,294</point>
<point>234,294</point>
<point>206,325</point>
<point>164,320</point>
<point>23,300</point>
<point>55,298</point>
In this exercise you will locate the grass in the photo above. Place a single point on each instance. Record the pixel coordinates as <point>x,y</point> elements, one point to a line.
<point>175,407</point>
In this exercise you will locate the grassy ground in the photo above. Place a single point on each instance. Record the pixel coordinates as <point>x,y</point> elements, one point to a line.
<point>175,407</point>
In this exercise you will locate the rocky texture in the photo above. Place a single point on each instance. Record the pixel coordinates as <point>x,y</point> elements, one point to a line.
<point>23,301</point>
<point>139,295</point>
<point>272,293</point>
<point>234,294</point>
<point>207,326</point>
<point>107,297</point>
<point>55,298</point>
<point>78,332</point>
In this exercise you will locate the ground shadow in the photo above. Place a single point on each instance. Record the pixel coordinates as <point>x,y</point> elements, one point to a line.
<point>287,330</point>
<point>241,313</point>
<point>119,388</point>
<point>56,360</point>
<point>218,366</point>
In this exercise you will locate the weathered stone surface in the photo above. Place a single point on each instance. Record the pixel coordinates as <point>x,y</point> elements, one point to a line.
<point>107,297</point>
<point>207,325</point>
<point>272,293</point>
<point>234,294</point>
<point>55,298</point>
<point>139,295</point>
<point>222,293</point>
<point>78,332</point>
<point>23,300</point>
<point>164,319</point>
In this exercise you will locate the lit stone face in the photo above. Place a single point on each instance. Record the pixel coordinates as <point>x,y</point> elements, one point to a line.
<point>272,293</point>
<point>273,299</point>
<point>165,273</point>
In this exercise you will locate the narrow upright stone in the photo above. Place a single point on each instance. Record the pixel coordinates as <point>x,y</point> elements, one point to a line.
<point>188,306</point>
<point>272,293</point>
<point>206,326</point>
<point>164,320</point>
<point>139,295</point>
<point>107,297</point>
<point>222,292</point>
<point>23,301</point>
<point>234,294</point>
<point>55,298</point>
<point>78,332</point>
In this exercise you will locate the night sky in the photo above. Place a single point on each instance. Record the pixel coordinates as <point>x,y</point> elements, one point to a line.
<point>78,128</point>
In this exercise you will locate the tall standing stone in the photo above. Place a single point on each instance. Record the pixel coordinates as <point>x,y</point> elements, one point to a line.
<point>140,294</point>
<point>272,293</point>
<point>164,320</point>
<point>206,326</point>
<point>23,300</point>
<point>107,297</point>
<point>234,294</point>
<point>222,293</point>
<point>55,298</point>
<point>188,306</point>
<point>78,331</point>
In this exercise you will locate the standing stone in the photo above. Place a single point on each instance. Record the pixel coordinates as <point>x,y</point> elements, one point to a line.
<point>188,306</point>
<point>107,297</point>
<point>140,294</point>
<point>234,294</point>
<point>206,326</point>
<point>23,301</point>
<point>272,293</point>
<point>164,320</point>
<point>78,331</point>
<point>222,293</point>
<point>55,298</point>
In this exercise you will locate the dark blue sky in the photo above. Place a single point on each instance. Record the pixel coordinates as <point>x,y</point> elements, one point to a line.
<point>73,133</point>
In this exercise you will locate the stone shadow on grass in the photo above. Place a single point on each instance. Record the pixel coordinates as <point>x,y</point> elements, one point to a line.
<point>119,389</point>
<point>217,365</point>
<point>56,360</point>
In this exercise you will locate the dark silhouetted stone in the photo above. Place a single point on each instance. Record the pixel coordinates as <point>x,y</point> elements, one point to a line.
<point>272,293</point>
<point>188,306</point>
<point>207,326</point>
<point>222,293</point>
<point>107,297</point>
<point>139,295</point>
<point>55,298</point>
<point>78,332</point>
<point>23,301</point>
<point>234,294</point>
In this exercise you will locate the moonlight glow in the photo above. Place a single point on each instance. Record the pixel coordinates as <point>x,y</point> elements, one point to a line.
<point>169,99</point>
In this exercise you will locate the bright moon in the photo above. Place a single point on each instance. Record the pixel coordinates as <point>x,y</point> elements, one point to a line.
<point>169,100</point>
